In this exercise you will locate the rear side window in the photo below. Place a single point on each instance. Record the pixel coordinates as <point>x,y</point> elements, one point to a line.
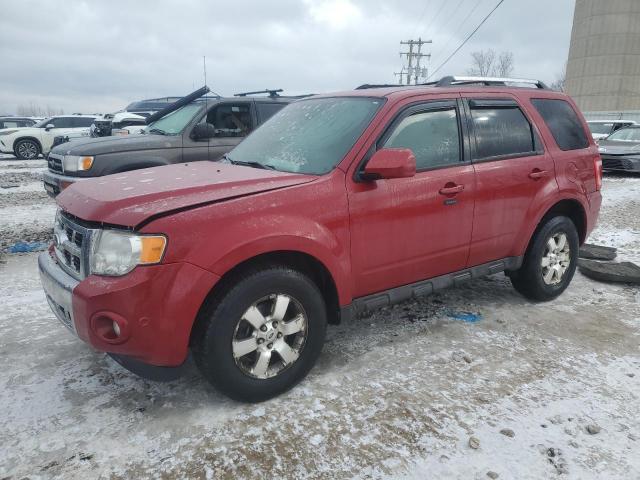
<point>563,122</point>
<point>266,110</point>
<point>501,130</point>
<point>432,136</point>
<point>82,122</point>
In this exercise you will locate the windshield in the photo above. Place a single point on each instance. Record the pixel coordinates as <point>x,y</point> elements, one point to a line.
<point>175,122</point>
<point>600,128</point>
<point>626,135</point>
<point>310,136</point>
<point>42,123</point>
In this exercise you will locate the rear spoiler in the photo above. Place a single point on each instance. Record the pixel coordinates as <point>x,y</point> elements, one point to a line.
<point>177,104</point>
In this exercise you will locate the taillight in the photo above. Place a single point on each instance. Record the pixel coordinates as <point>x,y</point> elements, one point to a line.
<point>597,167</point>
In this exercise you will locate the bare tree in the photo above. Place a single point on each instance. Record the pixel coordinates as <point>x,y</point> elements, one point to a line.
<point>482,63</point>
<point>558,84</point>
<point>33,110</point>
<point>485,63</point>
<point>504,66</point>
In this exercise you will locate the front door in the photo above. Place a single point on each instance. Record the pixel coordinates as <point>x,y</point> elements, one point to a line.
<point>406,230</point>
<point>232,122</point>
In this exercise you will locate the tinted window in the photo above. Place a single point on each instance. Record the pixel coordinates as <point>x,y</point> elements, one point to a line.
<point>309,136</point>
<point>267,110</point>
<point>231,120</point>
<point>84,122</point>
<point>563,122</point>
<point>432,136</point>
<point>626,135</point>
<point>501,131</point>
<point>61,122</point>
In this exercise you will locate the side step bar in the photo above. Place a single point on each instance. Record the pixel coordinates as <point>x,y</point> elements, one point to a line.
<point>426,287</point>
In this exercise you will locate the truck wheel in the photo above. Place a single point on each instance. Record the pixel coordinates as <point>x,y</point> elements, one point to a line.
<point>550,261</point>
<point>262,335</point>
<point>27,149</point>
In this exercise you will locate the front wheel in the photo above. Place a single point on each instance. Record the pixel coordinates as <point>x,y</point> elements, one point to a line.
<point>27,149</point>
<point>262,335</point>
<point>550,261</point>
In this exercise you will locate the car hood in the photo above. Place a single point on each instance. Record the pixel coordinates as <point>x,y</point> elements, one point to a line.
<point>116,144</point>
<point>613,147</point>
<point>130,198</point>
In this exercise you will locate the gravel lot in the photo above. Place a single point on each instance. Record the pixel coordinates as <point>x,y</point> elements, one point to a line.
<point>527,391</point>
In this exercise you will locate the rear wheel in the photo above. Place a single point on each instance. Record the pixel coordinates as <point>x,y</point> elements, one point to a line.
<point>27,149</point>
<point>550,261</point>
<point>262,335</point>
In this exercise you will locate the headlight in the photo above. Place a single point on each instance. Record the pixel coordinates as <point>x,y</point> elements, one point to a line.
<point>116,253</point>
<point>7,132</point>
<point>75,163</point>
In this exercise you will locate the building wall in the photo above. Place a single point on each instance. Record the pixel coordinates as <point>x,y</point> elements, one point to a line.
<point>603,70</point>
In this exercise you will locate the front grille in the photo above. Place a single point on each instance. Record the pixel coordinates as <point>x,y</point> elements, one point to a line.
<point>616,163</point>
<point>54,163</point>
<point>61,313</point>
<point>71,246</point>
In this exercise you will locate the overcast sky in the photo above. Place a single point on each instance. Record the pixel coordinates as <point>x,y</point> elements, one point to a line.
<point>97,56</point>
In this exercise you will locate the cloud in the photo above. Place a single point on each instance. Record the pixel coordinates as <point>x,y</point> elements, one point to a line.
<point>99,56</point>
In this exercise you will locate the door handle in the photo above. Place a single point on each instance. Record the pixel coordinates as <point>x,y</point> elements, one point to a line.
<point>537,174</point>
<point>451,189</point>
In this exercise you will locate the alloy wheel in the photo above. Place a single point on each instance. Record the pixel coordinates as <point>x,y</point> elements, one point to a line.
<point>28,150</point>
<point>270,336</point>
<point>555,259</point>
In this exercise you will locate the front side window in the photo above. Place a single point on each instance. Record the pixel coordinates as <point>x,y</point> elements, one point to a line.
<point>626,135</point>
<point>501,130</point>
<point>563,122</point>
<point>231,120</point>
<point>309,136</point>
<point>175,122</point>
<point>432,136</point>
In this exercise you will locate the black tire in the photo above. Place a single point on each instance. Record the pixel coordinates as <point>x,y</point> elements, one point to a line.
<point>26,149</point>
<point>529,279</point>
<point>217,327</point>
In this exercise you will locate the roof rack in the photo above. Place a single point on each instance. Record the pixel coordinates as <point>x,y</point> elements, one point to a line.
<point>488,81</point>
<point>272,93</point>
<point>380,85</point>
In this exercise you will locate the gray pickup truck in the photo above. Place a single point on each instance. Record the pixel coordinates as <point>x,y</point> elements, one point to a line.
<point>205,128</point>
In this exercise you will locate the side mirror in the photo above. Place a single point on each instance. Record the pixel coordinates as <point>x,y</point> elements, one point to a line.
<point>203,131</point>
<point>49,126</point>
<point>390,163</point>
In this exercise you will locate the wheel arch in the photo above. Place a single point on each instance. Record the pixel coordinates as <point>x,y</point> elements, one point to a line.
<point>19,139</point>
<point>568,207</point>
<point>295,259</point>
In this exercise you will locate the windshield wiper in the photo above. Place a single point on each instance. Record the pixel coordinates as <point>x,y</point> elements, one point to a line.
<point>248,164</point>
<point>157,130</point>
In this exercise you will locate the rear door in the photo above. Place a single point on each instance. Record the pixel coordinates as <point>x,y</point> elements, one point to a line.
<point>514,174</point>
<point>408,229</point>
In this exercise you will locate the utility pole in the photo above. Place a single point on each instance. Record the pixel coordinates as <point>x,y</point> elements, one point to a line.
<point>416,71</point>
<point>400,74</point>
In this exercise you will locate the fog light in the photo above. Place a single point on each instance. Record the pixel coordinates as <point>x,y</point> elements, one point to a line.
<point>116,328</point>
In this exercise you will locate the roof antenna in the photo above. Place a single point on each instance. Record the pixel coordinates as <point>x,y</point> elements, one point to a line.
<point>206,104</point>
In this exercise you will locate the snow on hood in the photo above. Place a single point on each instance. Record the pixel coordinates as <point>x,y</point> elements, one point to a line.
<point>130,198</point>
<point>114,144</point>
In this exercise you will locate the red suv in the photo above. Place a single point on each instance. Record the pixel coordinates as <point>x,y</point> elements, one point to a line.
<point>338,204</point>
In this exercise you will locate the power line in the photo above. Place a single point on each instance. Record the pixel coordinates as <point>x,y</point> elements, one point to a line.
<point>459,29</point>
<point>451,15</point>
<point>466,39</point>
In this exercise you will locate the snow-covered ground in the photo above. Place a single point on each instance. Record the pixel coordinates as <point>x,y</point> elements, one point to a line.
<point>403,393</point>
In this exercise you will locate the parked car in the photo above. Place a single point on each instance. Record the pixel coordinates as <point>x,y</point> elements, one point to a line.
<point>28,143</point>
<point>603,128</point>
<point>338,204</point>
<point>620,151</point>
<point>16,122</point>
<point>203,129</point>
